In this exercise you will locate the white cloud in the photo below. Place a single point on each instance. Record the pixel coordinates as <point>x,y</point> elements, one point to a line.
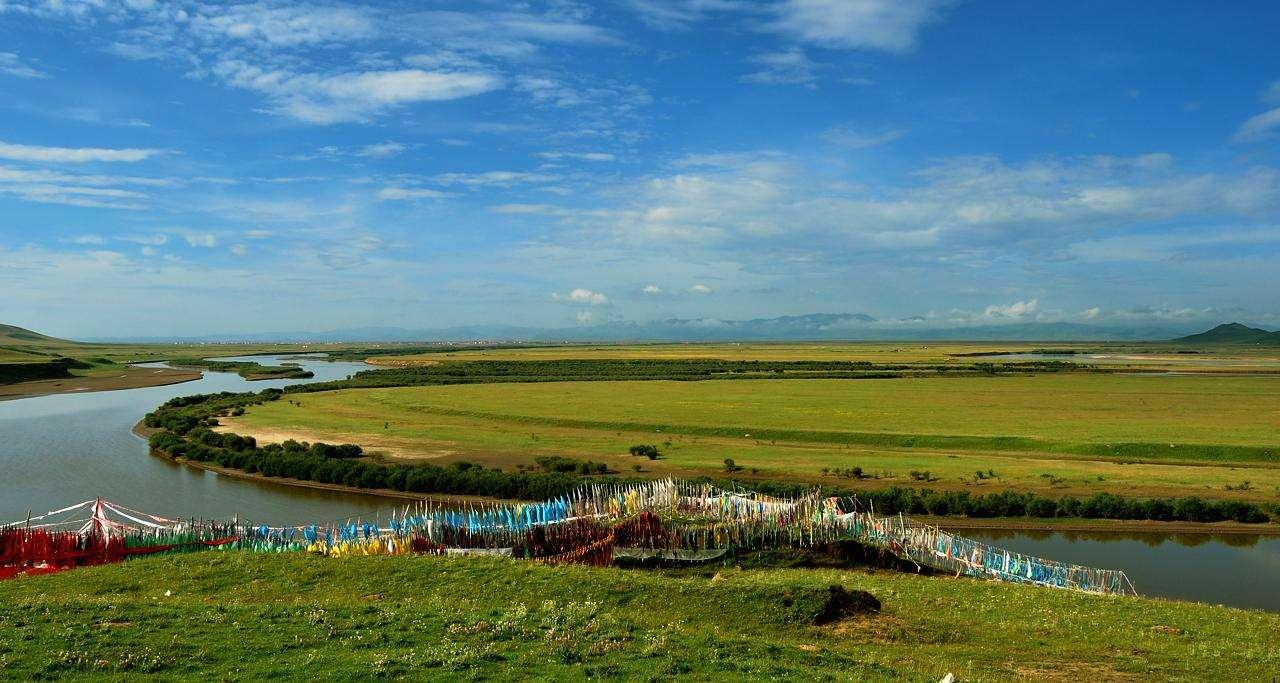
<point>499,178</point>
<point>851,138</point>
<point>700,289</point>
<point>1015,310</point>
<point>957,208</point>
<point>510,35</point>
<point>86,239</point>
<point>285,25</point>
<point>652,290</point>
<point>583,296</point>
<point>10,174</point>
<point>581,156</point>
<point>134,51</point>
<point>584,317</point>
<point>885,25</point>
<point>12,65</point>
<point>382,149</point>
<point>72,155</point>
<point>1258,128</point>
<point>525,209</point>
<point>351,96</point>
<point>154,240</point>
<point>239,249</point>
<point>203,240</point>
<point>74,195</point>
<point>409,193</point>
<point>679,14</point>
<point>790,67</point>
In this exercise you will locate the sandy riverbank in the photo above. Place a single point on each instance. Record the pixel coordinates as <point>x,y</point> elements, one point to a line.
<point>145,432</point>
<point>131,377</point>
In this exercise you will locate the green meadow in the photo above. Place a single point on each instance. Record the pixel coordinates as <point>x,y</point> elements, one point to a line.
<point>1069,432</point>
<point>237,615</point>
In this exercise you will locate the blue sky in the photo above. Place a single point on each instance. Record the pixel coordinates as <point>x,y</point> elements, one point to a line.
<point>190,168</point>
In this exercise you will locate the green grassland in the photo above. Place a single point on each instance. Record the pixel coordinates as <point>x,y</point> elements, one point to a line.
<point>1065,433</point>
<point>247,616</point>
<point>1147,355</point>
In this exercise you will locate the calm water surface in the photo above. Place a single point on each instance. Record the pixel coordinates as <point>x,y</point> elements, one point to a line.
<point>1228,569</point>
<point>62,449</point>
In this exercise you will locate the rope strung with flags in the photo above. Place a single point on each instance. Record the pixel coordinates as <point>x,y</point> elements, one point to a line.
<point>664,518</point>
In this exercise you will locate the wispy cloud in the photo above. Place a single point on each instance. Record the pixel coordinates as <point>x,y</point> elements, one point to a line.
<point>498,178</point>
<point>382,149</point>
<point>681,14</point>
<point>73,155</point>
<point>12,65</point>
<point>76,189</point>
<point>351,96</point>
<point>71,195</point>
<point>1261,127</point>
<point>409,193</point>
<point>581,156</point>
<point>202,239</point>
<point>790,67</point>
<point>884,25</point>
<point>285,25</point>
<point>582,295</point>
<point>1258,128</point>
<point>853,138</point>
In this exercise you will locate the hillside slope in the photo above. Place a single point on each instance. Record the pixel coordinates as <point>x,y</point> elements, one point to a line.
<point>20,345</point>
<point>1233,333</point>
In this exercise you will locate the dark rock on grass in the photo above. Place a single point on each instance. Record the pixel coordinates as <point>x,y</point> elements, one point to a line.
<point>843,603</point>
<point>819,607</point>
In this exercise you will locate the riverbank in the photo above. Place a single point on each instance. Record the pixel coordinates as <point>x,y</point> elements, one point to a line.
<point>146,432</point>
<point>128,377</point>
<point>216,615</point>
<point>1052,524</point>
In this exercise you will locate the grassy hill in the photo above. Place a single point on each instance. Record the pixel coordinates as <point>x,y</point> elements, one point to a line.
<point>247,616</point>
<point>1233,333</point>
<point>14,334</point>
<point>20,345</point>
<point>32,363</point>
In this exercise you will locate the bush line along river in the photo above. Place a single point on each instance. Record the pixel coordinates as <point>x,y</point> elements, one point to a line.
<point>64,448</point>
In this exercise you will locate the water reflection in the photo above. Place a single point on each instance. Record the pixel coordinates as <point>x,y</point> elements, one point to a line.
<point>1228,569</point>
<point>1152,539</point>
<point>60,449</point>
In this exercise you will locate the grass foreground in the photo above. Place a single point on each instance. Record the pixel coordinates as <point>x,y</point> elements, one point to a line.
<point>238,615</point>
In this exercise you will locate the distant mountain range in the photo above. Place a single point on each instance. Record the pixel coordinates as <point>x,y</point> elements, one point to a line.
<point>1233,333</point>
<point>815,326</point>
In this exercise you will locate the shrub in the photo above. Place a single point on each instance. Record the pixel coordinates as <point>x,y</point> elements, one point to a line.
<point>645,450</point>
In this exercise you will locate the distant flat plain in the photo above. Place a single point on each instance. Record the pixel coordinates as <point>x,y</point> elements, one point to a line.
<point>818,429</point>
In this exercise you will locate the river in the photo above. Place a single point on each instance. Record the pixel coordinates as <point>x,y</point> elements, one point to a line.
<point>64,448</point>
<point>1240,570</point>
<point>61,449</point>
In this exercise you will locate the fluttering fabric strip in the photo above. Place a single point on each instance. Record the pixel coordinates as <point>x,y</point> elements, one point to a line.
<point>665,518</point>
